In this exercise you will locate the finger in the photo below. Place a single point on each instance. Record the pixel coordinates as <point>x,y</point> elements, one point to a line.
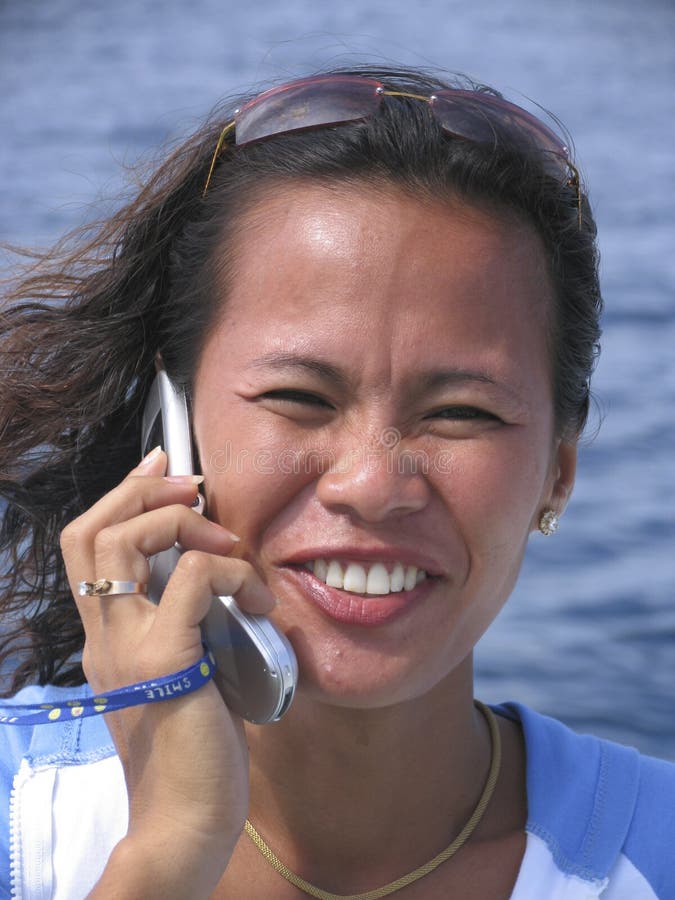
<point>196,581</point>
<point>121,552</point>
<point>168,637</point>
<point>205,576</point>
<point>153,463</point>
<point>126,546</point>
<point>130,498</point>
<point>133,497</point>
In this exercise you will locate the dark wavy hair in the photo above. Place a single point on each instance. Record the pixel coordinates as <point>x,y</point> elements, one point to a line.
<point>81,325</point>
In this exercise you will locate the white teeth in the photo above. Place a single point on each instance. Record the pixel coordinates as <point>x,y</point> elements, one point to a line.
<point>410,578</point>
<point>334,577</point>
<point>397,578</point>
<point>355,579</point>
<point>363,579</point>
<point>378,580</point>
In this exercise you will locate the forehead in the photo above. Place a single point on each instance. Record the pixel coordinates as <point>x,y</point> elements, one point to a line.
<point>316,264</point>
<point>335,224</point>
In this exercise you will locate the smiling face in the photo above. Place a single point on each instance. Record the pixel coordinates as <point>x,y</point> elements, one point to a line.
<point>374,410</point>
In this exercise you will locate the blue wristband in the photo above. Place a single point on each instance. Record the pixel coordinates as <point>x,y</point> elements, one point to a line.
<point>177,684</point>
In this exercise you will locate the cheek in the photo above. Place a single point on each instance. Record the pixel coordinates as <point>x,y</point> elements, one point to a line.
<point>251,481</point>
<point>241,488</point>
<point>494,487</point>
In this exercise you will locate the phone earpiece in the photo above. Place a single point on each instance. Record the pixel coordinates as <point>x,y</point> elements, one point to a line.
<point>199,504</point>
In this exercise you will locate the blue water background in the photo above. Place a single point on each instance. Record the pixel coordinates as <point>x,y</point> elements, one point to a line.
<point>589,634</point>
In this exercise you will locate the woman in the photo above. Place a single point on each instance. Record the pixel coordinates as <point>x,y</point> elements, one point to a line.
<point>381,296</point>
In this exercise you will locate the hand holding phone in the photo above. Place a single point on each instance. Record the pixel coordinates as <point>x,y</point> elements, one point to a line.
<point>257,668</point>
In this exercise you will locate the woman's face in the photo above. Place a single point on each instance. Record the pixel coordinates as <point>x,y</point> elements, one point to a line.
<point>376,403</point>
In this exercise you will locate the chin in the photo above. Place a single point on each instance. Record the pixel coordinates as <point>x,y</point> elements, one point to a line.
<point>365,680</point>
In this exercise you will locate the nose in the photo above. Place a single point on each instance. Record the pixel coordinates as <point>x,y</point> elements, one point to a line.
<point>377,482</point>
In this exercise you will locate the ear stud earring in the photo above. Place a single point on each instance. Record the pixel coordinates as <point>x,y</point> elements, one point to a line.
<point>549,522</point>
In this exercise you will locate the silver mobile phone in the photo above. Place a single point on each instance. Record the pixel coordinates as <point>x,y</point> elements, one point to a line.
<point>256,667</point>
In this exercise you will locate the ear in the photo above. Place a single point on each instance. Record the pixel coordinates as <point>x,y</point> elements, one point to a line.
<point>561,480</point>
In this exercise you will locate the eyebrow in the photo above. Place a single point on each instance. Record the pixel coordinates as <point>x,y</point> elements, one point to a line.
<point>431,381</point>
<point>421,383</point>
<point>310,364</point>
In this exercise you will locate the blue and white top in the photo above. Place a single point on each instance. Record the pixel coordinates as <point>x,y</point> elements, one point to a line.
<point>601,818</point>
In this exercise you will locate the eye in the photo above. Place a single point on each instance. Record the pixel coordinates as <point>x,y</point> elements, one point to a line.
<point>464,414</point>
<point>462,421</point>
<point>291,396</point>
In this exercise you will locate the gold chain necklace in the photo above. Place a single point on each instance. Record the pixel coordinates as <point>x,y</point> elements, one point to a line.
<point>423,870</point>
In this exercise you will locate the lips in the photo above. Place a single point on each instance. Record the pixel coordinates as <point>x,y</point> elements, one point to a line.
<point>363,587</point>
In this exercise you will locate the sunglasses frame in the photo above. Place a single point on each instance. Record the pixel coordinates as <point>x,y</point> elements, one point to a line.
<point>486,108</point>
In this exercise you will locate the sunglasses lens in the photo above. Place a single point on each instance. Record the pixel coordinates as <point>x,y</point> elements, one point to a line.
<point>482,117</point>
<point>309,103</point>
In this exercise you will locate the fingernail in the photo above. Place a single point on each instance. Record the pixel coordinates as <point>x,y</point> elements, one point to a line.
<point>234,537</point>
<point>184,479</point>
<point>149,457</point>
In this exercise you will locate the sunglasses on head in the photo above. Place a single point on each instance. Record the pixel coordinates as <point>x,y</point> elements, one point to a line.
<point>326,100</point>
